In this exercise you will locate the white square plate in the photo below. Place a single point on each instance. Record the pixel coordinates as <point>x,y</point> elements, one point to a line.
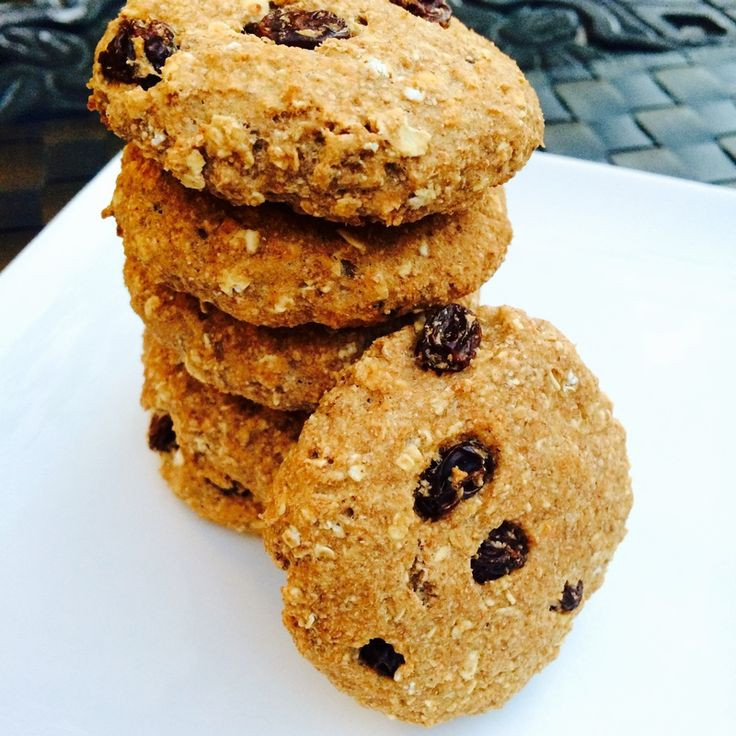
<point>123,613</point>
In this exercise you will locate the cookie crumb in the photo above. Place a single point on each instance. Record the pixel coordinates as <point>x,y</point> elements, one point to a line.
<point>292,537</point>
<point>410,458</point>
<point>357,472</point>
<point>323,551</point>
<point>411,141</point>
<point>379,67</point>
<point>413,94</point>
<point>470,667</point>
<point>348,237</point>
<point>335,528</point>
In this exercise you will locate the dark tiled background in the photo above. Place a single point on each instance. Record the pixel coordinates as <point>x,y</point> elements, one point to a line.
<point>649,84</point>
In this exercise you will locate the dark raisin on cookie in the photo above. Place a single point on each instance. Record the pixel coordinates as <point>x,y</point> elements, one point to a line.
<point>118,60</point>
<point>571,597</point>
<point>348,268</point>
<point>203,310</point>
<point>305,29</point>
<point>381,657</point>
<point>235,490</point>
<point>435,11</point>
<point>504,550</point>
<point>161,435</point>
<point>449,339</point>
<point>461,471</point>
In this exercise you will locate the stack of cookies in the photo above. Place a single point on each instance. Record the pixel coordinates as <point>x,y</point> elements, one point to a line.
<point>309,201</point>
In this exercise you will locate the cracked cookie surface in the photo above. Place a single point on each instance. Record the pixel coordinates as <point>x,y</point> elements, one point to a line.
<point>390,119</point>
<point>440,531</point>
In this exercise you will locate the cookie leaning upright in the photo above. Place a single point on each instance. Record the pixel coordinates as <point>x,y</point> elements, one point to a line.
<point>438,548</point>
<point>350,110</point>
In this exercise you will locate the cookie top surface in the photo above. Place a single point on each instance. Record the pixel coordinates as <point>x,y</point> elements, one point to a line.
<point>266,265</point>
<point>400,119</point>
<point>440,529</point>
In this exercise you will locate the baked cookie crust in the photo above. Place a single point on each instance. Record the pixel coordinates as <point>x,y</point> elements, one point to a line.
<point>402,119</point>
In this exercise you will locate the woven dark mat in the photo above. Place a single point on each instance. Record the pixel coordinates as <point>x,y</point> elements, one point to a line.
<point>649,84</point>
<point>641,83</point>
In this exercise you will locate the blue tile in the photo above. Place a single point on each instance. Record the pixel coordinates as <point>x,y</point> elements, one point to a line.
<point>617,66</point>
<point>706,162</point>
<point>719,116</point>
<point>569,73</point>
<point>726,74</point>
<point>592,100</point>
<point>712,54</point>
<point>676,126</point>
<point>662,60</point>
<point>574,139</point>
<point>640,90</point>
<point>691,84</point>
<point>729,145</point>
<point>554,111</point>
<point>657,160</point>
<point>621,133</point>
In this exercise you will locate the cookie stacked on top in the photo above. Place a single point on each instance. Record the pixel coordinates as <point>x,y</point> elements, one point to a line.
<point>311,196</point>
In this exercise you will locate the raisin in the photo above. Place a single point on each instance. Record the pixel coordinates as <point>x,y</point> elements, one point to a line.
<point>161,435</point>
<point>449,339</point>
<point>504,550</point>
<point>118,60</point>
<point>381,657</point>
<point>461,471</point>
<point>348,268</point>
<point>234,490</point>
<point>203,310</point>
<point>571,597</point>
<point>435,11</point>
<point>305,29</point>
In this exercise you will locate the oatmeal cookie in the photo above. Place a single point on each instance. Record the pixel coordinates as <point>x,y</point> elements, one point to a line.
<point>287,368</point>
<point>267,266</point>
<point>241,443</point>
<point>349,110</point>
<point>446,512</point>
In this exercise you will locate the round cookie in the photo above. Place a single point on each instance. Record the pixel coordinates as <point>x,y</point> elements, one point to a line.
<point>267,266</point>
<point>391,118</point>
<point>241,443</point>
<point>447,509</point>
<point>287,369</point>
<point>230,506</point>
